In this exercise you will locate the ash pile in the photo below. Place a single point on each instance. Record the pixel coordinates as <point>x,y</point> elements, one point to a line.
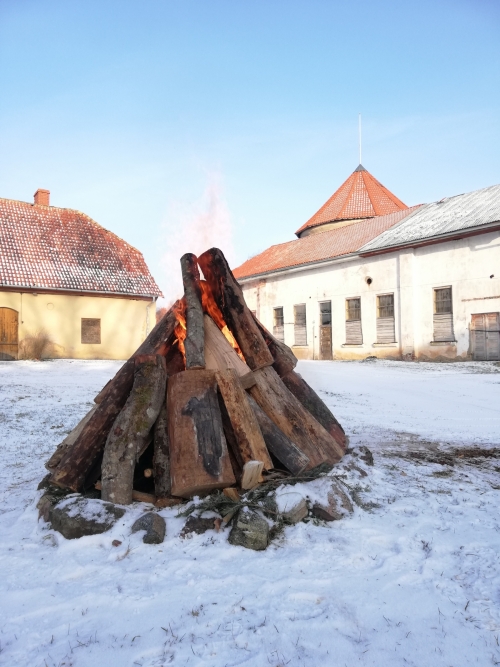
<point>209,406</point>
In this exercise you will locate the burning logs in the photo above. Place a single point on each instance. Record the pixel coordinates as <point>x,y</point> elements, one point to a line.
<point>209,401</point>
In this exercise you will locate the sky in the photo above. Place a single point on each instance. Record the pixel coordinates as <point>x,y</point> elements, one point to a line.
<point>180,125</point>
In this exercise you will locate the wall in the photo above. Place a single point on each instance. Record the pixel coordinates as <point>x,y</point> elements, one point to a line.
<point>124,322</point>
<point>465,265</point>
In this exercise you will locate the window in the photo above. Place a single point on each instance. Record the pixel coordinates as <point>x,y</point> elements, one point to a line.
<point>353,332</point>
<point>325,313</point>
<point>443,315</point>
<point>278,324</point>
<point>300,331</point>
<point>91,330</point>
<point>385,319</point>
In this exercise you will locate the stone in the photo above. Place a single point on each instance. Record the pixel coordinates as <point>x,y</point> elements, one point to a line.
<point>198,525</point>
<point>366,455</point>
<point>337,506</point>
<point>291,506</point>
<point>249,530</point>
<point>154,525</point>
<point>76,516</point>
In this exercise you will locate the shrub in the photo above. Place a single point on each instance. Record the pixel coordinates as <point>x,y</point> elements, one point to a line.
<point>35,345</point>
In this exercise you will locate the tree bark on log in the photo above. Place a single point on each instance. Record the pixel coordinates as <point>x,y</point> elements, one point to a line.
<point>161,457</point>
<point>313,404</point>
<point>277,443</point>
<point>229,297</point>
<point>251,445</point>
<point>130,432</point>
<point>194,343</point>
<point>78,461</point>
<point>68,441</point>
<point>199,460</point>
<point>293,419</point>
<point>284,359</point>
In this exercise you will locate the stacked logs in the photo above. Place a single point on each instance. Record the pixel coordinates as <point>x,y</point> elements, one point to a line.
<point>209,401</point>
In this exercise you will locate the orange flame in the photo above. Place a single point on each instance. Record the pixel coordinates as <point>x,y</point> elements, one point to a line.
<point>180,331</point>
<point>210,308</point>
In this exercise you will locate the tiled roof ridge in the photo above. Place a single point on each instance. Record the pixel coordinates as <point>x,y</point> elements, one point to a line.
<point>72,210</point>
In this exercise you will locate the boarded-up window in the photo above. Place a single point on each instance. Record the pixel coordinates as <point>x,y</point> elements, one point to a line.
<point>278,324</point>
<point>91,330</point>
<point>443,315</point>
<point>485,336</point>
<point>353,332</point>
<point>385,319</point>
<point>300,329</point>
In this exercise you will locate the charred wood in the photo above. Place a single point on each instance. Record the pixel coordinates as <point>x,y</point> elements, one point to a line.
<point>194,342</point>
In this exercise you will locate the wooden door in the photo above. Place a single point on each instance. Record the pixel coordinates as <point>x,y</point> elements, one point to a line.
<point>8,334</point>
<point>485,334</point>
<point>325,330</point>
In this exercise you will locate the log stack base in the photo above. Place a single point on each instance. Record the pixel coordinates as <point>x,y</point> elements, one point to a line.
<point>209,401</point>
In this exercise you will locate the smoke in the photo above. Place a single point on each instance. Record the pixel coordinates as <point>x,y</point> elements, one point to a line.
<point>195,228</point>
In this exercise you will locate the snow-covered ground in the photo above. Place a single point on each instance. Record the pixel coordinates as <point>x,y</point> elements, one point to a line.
<point>412,578</point>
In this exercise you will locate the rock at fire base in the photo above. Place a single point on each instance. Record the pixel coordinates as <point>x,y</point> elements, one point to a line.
<point>77,516</point>
<point>249,530</point>
<point>337,505</point>
<point>198,525</point>
<point>292,506</point>
<point>154,525</point>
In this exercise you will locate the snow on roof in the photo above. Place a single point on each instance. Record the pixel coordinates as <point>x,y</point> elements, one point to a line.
<point>47,247</point>
<point>360,196</point>
<point>319,247</point>
<point>451,214</point>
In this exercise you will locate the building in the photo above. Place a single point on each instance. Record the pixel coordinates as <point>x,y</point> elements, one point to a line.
<point>68,280</point>
<point>370,276</point>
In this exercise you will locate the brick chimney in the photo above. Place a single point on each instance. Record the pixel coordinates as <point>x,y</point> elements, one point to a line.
<point>42,197</point>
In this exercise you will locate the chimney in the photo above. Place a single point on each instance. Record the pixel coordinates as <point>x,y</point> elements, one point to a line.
<point>42,197</point>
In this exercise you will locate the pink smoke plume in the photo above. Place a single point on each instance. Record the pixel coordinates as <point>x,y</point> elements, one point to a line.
<point>195,229</point>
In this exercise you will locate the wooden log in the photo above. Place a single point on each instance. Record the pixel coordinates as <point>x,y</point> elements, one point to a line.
<point>293,419</point>
<point>89,445</point>
<point>68,441</point>
<point>278,444</point>
<point>229,297</point>
<point>199,460</point>
<point>284,359</point>
<point>313,404</point>
<point>148,472</point>
<point>250,443</point>
<point>219,354</point>
<point>231,442</point>
<point>139,496</point>
<point>131,429</point>
<point>252,471</point>
<point>161,456</point>
<point>194,343</point>
<point>232,494</point>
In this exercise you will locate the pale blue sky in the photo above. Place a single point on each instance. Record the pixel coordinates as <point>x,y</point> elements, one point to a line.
<point>158,116</point>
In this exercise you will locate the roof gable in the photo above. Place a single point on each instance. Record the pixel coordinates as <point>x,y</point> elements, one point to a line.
<point>360,196</point>
<point>46,247</point>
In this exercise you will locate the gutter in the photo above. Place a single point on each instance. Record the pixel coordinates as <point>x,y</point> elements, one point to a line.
<point>56,290</point>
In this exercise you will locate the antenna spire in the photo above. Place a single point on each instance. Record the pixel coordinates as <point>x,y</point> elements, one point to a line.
<point>359,134</point>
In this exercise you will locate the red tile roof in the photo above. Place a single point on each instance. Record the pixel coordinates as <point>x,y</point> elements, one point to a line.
<point>360,196</point>
<point>58,248</point>
<point>320,247</point>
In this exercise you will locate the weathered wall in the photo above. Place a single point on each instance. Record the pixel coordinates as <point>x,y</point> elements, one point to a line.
<point>124,322</point>
<point>412,275</point>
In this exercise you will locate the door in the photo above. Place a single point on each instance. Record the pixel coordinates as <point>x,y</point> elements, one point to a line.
<point>8,334</point>
<point>325,330</point>
<point>485,336</point>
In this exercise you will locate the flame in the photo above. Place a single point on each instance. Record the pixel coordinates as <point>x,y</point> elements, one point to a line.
<point>210,308</point>
<point>180,331</point>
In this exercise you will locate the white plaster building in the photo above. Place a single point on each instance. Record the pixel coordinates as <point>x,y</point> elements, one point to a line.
<point>420,282</point>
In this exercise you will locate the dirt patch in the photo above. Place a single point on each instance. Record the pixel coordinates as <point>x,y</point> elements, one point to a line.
<point>473,455</point>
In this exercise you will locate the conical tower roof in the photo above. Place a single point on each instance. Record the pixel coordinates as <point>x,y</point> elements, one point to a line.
<point>360,196</point>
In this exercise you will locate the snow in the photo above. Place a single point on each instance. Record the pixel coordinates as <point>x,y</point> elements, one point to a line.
<point>411,578</point>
